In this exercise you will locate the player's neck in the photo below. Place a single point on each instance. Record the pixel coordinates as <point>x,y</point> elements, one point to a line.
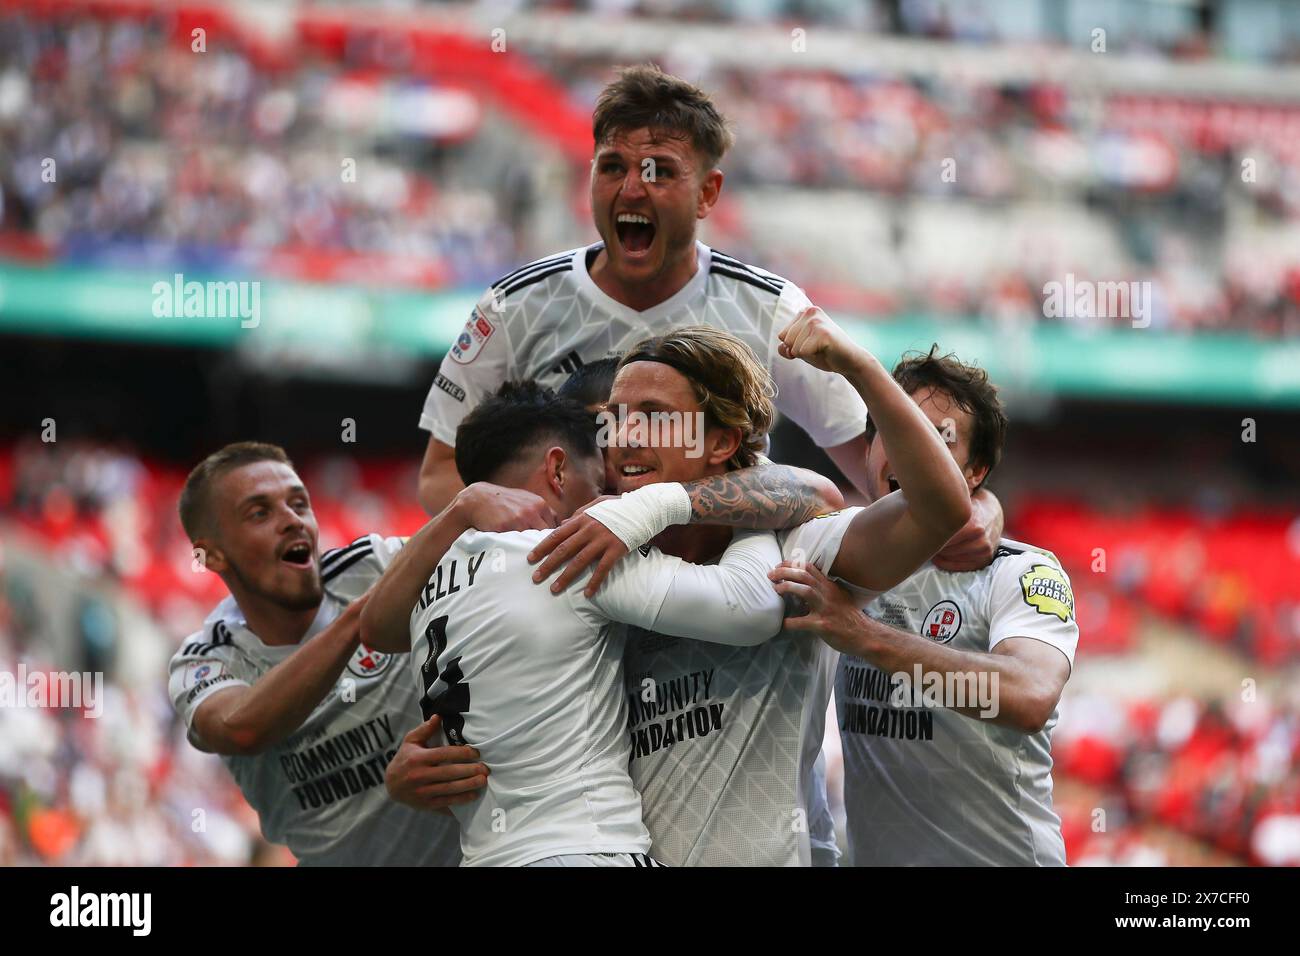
<point>275,625</point>
<point>643,296</point>
<point>694,543</point>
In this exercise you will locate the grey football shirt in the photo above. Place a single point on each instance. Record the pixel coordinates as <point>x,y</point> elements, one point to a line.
<point>320,792</point>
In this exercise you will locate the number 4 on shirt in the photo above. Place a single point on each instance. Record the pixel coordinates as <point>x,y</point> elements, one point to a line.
<point>445,694</point>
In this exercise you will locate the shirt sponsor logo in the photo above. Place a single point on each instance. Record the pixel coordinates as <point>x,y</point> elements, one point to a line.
<point>450,387</point>
<point>942,623</point>
<point>472,338</point>
<point>1047,591</point>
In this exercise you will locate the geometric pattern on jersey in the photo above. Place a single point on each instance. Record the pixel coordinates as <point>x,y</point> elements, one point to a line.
<point>730,795</point>
<point>573,318</point>
<point>550,317</point>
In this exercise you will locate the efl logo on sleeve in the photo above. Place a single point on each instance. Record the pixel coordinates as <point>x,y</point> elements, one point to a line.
<point>200,671</point>
<point>472,338</point>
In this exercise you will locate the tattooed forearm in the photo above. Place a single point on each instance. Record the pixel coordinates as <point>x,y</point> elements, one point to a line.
<point>764,497</point>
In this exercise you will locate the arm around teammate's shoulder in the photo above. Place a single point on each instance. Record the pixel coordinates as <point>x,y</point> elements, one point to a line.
<point>731,602</point>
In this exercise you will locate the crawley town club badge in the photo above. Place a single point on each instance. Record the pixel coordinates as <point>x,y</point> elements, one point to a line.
<point>368,663</point>
<point>1047,591</point>
<point>942,623</point>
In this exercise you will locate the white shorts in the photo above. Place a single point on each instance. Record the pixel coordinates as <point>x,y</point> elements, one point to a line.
<point>598,859</point>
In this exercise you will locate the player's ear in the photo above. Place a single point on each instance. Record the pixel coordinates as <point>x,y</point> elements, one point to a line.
<point>556,469</point>
<point>710,189</point>
<point>210,556</point>
<point>975,475</point>
<point>720,444</point>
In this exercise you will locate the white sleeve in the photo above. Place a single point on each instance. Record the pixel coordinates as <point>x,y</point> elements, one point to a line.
<point>199,669</point>
<point>479,360</point>
<point>731,602</point>
<point>824,405</point>
<point>818,540</point>
<point>1030,596</point>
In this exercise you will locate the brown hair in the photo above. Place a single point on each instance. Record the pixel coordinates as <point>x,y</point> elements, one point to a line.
<point>645,97</point>
<point>970,388</point>
<point>733,387</point>
<point>193,506</point>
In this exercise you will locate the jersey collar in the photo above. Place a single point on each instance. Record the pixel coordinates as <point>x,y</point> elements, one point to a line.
<point>656,314</point>
<point>228,611</point>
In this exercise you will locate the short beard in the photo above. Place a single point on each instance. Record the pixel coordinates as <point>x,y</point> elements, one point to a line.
<point>305,603</point>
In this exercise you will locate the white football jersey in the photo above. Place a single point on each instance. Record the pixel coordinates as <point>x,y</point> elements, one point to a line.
<point>724,750</point>
<point>320,792</point>
<point>534,681</point>
<point>548,317</point>
<point>924,785</point>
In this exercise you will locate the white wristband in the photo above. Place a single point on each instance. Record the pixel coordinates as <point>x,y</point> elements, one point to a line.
<point>636,517</point>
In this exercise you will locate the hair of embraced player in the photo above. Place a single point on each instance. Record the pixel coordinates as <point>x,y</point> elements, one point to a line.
<point>645,97</point>
<point>515,422</point>
<point>734,389</point>
<point>591,384</point>
<point>970,388</point>
<point>196,493</point>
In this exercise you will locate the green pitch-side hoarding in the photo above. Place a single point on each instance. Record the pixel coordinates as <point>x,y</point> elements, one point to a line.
<point>359,322</point>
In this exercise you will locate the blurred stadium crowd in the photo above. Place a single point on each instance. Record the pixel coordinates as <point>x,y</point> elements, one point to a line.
<point>963,196</point>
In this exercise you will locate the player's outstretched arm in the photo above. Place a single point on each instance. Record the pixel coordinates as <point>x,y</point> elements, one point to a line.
<point>250,719</point>
<point>891,538</point>
<point>765,497</point>
<point>385,625</point>
<point>1022,676</point>
<point>427,777</point>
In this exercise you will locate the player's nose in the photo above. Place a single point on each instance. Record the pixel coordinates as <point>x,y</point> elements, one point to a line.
<point>634,186</point>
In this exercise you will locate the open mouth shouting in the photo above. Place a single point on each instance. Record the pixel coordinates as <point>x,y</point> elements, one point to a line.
<point>298,555</point>
<point>635,233</point>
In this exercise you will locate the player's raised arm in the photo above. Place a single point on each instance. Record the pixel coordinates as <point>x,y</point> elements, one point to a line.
<point>249,719</point>
<point>892,537</point>
<point>767,496</point>
<point>385,625</point>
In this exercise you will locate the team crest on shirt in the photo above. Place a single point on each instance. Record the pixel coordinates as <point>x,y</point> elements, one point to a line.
<point>472,338</point>
<point>942,623</point>
<point>368,663</point>
<point>1047,591</point>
